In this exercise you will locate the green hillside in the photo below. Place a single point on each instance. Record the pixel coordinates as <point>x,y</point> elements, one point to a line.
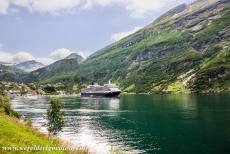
<point>8,73</point>
<point>61,70</point>
<point>186,49</point>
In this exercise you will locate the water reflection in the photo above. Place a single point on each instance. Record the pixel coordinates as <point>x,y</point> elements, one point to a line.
<point>114,104</point>
<point>140,123</point>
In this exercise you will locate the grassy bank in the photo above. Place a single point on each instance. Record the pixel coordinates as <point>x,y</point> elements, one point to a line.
<point>16,134</point>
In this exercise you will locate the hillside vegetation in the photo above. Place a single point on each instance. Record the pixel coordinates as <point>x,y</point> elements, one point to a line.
<point>188,47</point>
<point>8,73</point>
<point>15,134</point>
<point>62,69</point>
<point>184,50</point>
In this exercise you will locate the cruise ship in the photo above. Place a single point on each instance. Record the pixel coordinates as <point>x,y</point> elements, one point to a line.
<point>107,90</point>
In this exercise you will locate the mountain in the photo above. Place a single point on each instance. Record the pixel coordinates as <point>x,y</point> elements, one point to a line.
<point>29,66</point>
<point>186,49</point>
<point>75,56</point>
<point>9,73</point>
<point>59,70</point>
<point>5,63</point>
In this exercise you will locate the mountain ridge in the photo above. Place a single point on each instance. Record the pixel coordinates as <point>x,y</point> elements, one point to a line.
<point>29,66</point>
<point>184,50</point>
<point>12,74</point>
<point>56,70</point>
<point>169,47</point>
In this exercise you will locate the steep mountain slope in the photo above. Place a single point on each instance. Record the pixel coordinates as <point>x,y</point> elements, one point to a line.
<point>186,49</point>
<point>62,69</point>
<point>29,66</point>
<point>8,73</point>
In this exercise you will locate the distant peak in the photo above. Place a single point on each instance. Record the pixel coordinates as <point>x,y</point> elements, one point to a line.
<point>29,66</point>
<point>74,56</point>
<point>31,62</point>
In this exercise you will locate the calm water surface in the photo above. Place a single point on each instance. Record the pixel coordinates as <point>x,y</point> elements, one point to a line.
<point>164,124</point>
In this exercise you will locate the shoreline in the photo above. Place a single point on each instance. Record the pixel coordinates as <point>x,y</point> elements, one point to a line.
<point>126,94</point>
<point>17,133</point>
<point>26,136</point>
<point>113,108</point>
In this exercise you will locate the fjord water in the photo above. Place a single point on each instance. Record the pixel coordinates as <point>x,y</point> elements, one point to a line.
<point>165,124</point>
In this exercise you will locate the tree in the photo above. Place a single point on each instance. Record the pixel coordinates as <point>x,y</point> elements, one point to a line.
<point>5,106</point>
<point>75,89</point>
<point>50,90</point>
<point>55,116</point>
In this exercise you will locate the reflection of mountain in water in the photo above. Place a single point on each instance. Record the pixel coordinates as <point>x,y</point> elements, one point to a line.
<point>141,122</point>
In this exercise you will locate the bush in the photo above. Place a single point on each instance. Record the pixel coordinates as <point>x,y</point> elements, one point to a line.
<point>55,116</point>
<point>5,107</point>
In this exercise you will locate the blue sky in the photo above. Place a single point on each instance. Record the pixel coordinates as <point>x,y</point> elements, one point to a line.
<point>49,30</point>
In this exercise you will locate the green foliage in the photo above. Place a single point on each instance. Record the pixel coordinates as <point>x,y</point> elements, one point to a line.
<point>29,122</point>
<point>76,89</point>
<point>214,73</point>
<point>13,134</point>
<point>152,59</point>
<point>50,90</point>
<point>176,87</point>
<point>210,33</point>
<point>9,73</point>
<point>130,88</point>
<point>5,107</point>
<point>60,70</point>
<point>55,116</point>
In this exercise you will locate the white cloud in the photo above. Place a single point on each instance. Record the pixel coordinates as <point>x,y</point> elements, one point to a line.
<point>22,56</point>
<point>54,7</point>
<point>139,9</point>
<point>63,53</point>
<point>91,3</point>
<point>15,58</point>
<point>4,5</point>
<point>60,53</point>
<point>22,3</point>
<point>143,8</point>
<point>45,60</point>
<point>120,35</point>
<point>5,57</point>
<point>136,8</point>
<point>26,56</point>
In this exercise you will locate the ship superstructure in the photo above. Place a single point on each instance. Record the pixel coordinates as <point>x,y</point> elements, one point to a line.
<point>107,90</point>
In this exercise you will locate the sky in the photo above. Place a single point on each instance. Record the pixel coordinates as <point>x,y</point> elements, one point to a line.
<point>49,30</point>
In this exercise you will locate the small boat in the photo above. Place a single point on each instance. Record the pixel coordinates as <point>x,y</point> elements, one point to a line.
<point>107,90</point>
